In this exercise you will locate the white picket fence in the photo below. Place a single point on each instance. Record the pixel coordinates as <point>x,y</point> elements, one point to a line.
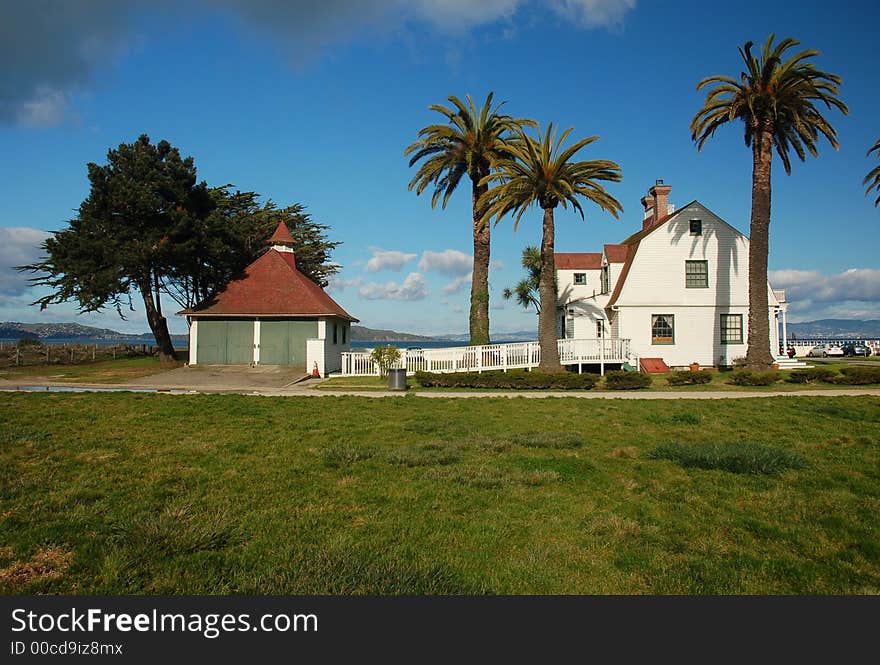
<point>518,355</point>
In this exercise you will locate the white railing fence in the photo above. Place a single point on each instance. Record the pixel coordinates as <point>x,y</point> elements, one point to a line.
<point>518,355</point>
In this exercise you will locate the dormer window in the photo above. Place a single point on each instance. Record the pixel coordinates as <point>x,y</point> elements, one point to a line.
<point>696,227</point>
<point>580,278</point>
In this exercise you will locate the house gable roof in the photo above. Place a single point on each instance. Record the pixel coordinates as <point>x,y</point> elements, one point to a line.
<point>632,243</point>
<point>271,286</point>
<point>632,246</point>
<point>615,253</point>
<point>578,260</point>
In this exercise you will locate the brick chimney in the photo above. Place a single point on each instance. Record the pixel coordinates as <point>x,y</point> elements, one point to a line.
<point>656,204</point>
<point>648,203</point>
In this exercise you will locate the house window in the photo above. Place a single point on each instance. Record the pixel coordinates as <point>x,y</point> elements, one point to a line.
<point>344,332</point>
<point>605,281</point>
<point>568,328</point>
<point>731,328</point>
<point>696,274</point>
<point>662,329</point>
<point>335,333</point>
<point>696,227</point>
<point>580,278</point>
<point>600,328</point>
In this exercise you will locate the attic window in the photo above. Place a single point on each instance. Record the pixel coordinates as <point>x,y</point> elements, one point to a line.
<point>580,278</point>
<point>696,227</point>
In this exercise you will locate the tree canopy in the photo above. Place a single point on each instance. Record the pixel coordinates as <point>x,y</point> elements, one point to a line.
<point>149,227</point>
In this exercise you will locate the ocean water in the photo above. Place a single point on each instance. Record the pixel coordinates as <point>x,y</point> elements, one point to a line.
<point>133,341</point>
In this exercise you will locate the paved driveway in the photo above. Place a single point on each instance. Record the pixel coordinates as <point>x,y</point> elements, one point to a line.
<point>237,378</point>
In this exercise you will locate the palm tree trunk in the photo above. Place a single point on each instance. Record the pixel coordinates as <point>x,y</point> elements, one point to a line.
<point>758,354</point>
<point>547,318</point>
<point>479,316</point>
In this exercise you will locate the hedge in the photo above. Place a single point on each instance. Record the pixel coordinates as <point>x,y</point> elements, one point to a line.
<point>858,376</point>
<point>744,377</point>
<point>622,380</point>
<point>513,380</point>
<point>812,374</point>
<point>689,378</point>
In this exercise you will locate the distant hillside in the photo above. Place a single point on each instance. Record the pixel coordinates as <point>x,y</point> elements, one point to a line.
<point>17,330</point>
<point>836,328</point>
<point>363,334</point>
<point>496,338</point>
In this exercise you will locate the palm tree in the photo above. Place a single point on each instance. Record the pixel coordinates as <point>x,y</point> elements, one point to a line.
<point>541,172</point>
<point>872,180</point>
<point>526,290</point>
<point>471,142</point>
<point>776,97</point>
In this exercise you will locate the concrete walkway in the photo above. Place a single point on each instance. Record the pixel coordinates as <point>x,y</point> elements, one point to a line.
<point>271,384</point>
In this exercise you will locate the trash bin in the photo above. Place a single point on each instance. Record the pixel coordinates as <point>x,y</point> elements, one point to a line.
<point>397,379</point>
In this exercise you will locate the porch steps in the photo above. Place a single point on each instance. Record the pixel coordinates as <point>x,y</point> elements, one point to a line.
<point>654,366</point>
<point>785,362</point>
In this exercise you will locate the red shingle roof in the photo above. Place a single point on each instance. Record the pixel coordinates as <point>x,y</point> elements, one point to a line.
<point>271,286</point>
<point>615,253</point>
<point>281,236</point>
<point>578,261</point>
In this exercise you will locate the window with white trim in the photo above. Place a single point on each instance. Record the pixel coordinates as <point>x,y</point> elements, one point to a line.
<point>731,328</point>
<point>696,274</point>
<point>580,278</point>
<point>662,329</point>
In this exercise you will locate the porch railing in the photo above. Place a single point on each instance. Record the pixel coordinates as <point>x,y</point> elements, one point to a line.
<point>517,355</point>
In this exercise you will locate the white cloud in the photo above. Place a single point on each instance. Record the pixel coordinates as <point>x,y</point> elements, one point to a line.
<point>448,262</point>
<point>387,260</point>
<point>455,285</point>
<point>457,309</point>
<point>339,284</point>
<point>853,284</point>
<point>412,288</point>
<point>853,293</point>
<point>495,264</point>
<point>594,13</point>
<point>18,246</point>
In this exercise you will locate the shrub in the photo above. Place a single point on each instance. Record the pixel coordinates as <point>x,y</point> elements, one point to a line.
<point>621,380</point>
<point>513,380</point>
<point>689,378</point>
<point>811,375</point>
<point>739,361</point>
<point>857,376</point>
<point>744,377</point>
<point>26,342</point>
<point>739,457</point>
<point>385,357</point>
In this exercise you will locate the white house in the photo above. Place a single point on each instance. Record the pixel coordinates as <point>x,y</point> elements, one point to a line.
<point>273,315</point>
<point>678,289</point>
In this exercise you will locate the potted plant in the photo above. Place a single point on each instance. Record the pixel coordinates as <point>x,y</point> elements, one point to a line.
<point>695,366</point>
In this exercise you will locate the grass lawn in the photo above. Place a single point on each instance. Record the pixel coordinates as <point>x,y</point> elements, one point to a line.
<point>105,371</point>
<point>134,493</point>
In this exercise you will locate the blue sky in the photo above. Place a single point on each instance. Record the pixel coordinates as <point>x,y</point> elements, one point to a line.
<point>315,102</point>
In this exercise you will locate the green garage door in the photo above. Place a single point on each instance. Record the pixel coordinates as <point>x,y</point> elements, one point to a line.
<point>228,342</point>
<point>284,342</point>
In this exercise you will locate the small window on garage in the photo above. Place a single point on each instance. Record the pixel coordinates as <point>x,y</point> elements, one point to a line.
<point>580,278</point>
<point>696,227</point>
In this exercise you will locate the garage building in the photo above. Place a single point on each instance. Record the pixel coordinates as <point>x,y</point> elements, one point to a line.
<point>273,315</point>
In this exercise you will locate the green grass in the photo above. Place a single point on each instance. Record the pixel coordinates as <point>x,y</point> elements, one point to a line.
<point>739,457</point>
<point>105,371</point>
<point>153,494</point>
